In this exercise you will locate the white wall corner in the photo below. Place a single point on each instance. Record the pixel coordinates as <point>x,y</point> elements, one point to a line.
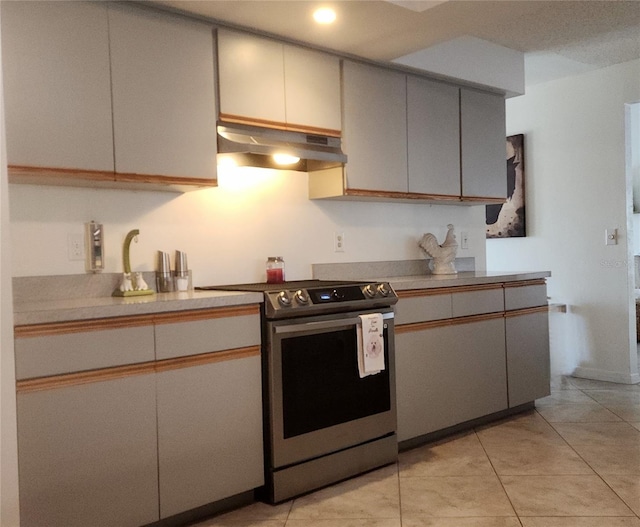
<point>9,500</point>
<point>472,60</point>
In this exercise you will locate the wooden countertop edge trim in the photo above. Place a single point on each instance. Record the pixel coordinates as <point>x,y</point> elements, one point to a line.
<point>277,125</point>
<point>16,172</point>
<point>409,293</point>
<point>81,326</point>
<point>526,283</point>
<point>129,370</point>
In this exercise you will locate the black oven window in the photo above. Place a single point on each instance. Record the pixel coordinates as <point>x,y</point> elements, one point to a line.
<point>321,386</point>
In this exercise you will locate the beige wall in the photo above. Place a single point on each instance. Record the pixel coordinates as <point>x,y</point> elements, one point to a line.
<point>227,232</point>
<point>576,188</point>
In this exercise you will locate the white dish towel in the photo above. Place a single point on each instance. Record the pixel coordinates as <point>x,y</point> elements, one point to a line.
<point>370,344</point>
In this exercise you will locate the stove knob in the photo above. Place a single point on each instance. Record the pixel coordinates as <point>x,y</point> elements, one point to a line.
<point>302,297</point>
<point>369,291</point>
<point>384,290</point>
<point>284,299</point>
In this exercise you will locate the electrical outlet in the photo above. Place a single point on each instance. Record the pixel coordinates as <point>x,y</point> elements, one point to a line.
<point>464,240</point>
<point>75,246</point>
<point>338,242</point>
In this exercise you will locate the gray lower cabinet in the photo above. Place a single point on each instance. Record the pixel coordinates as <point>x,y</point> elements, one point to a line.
<point>106,441</point>
<point>449,374</point>
<point>528,369</point>
<point>88,454</point>
<point>209,433</point>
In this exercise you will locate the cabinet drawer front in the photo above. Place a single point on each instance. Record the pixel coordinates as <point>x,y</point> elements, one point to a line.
<point>477,302</point>
<point>525,296</point>
<point>203,336</point>
<point>423,309</point>
<point>88,350</point>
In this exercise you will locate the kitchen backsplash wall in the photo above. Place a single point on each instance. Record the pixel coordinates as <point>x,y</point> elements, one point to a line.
<point>227,232</point>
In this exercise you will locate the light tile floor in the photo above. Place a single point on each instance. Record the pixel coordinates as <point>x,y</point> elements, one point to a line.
<point>572,462</point>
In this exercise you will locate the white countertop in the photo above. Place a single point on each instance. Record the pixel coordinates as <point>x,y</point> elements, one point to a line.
<point>42,312</point>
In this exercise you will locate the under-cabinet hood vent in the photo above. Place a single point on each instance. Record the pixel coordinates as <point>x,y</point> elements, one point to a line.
<point>260,147</point>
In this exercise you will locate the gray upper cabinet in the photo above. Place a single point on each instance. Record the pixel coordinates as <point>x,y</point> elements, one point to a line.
<point>57,91</point>
<point>251,78</point>
<point>413,139</point>
<point>483,137</point>
<point>273,84</point>
<point>101,94</point>
<point>433,120</point>
<point>162,74</point>
<point>375,128</point>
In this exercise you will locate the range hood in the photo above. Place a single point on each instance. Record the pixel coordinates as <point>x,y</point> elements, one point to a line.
<point>253,146</point>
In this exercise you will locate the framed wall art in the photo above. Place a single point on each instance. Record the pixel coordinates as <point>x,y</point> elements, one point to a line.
<point>507,220</point>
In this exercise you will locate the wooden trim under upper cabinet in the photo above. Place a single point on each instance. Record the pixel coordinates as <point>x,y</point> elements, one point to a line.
<point>157,179</point>
<point>377,194</point>
<point>410,293</point>
<point>20,173</point>
<point>526,283</point>
<point>481,199</point>
<point>277,125</point>
<point>121,372</point>
<point>99,324</point>
<point>52,176</point>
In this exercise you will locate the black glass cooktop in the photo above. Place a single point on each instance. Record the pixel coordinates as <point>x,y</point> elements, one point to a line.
<point>291,285</point>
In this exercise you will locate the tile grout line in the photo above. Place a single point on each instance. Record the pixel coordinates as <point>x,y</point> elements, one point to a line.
<point>495,472</point>
<point>595,472</point>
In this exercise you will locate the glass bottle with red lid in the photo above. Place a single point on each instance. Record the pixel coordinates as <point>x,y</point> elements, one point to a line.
<point>275,270</point>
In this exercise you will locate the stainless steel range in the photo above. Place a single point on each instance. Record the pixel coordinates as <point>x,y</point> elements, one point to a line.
<point>323,421</point>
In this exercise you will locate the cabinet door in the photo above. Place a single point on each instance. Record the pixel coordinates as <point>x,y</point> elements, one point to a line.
<point>312,87</point>
<point>375,128</point>
<point>483,144</point>
<point>163,94</point>
<point>448,375</point>
<point>433,120</point>
<point>251,78</point>
<point>528,357</point>
<point>87,454</point>
<point>55,59</point>
<point>209,433</point>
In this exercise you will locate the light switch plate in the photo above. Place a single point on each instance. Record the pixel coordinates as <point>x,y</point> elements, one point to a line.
<point>611,236</point>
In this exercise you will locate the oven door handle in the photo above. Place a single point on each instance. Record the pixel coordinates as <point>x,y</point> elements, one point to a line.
<point>328,324</point>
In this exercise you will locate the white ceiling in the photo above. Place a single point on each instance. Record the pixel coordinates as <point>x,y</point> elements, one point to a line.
<point>558,37</point>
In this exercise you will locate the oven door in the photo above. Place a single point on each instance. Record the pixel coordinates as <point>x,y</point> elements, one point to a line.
<point>316,401</point>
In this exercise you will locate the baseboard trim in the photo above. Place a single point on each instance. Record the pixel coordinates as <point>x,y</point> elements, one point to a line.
<point>415,442</point>
<point>606,376</point>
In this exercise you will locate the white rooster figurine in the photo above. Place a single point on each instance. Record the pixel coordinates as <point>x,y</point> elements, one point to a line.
<point>443,255</point>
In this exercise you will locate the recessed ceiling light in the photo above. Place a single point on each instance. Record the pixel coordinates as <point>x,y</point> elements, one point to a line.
<point>324,15</point>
